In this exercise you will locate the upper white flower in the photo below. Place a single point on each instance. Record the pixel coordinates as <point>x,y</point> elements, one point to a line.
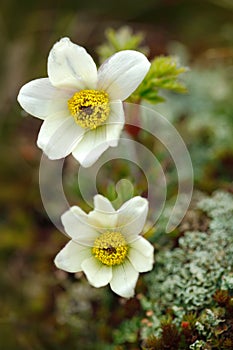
<point>81,107</point>
<point>106,244</point>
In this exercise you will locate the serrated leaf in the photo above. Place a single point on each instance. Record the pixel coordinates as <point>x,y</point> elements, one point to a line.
<point>163,74</point>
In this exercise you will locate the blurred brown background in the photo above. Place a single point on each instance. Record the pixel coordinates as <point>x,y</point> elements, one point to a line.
<point>30,286</point>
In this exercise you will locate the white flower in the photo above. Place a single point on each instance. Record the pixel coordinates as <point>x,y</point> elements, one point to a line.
<point>81,107</point>
<point>106,244</point>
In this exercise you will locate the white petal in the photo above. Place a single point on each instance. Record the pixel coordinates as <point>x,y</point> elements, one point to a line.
<point>71,257</point>
<point>93,144</point>
<point>69,65</point>
<point>75,222</point>
<point>124,279</point>
<point>98,274</point>
<point>103,204</point>
<point>104,215</point>
<point>115,123</point>
<point>132,216</point>
<point>141,255</point>
<point>121,74</point>
<point>58,136</point>
<point>40,99</point>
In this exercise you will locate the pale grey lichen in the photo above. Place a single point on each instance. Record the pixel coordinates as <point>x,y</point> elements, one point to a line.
<point>198,345</point>
<point>186,277</point>
<point>208,321</point>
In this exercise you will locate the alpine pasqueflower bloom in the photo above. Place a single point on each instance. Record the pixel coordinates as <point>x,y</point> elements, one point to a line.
<point>106,244</point>
<point>82,107</point>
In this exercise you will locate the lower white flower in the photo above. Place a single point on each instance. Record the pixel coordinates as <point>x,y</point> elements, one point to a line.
<point>106,244</point>
<point>80,105</point>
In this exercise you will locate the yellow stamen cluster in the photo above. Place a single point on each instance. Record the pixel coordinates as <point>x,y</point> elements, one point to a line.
<point>90,108</point>
<point>110,248</point>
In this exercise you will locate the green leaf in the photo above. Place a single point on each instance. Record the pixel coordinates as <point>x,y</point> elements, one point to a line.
<point>163,75</point>
<point>121,39</point>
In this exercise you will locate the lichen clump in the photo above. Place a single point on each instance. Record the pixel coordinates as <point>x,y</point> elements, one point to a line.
<point>196,278</point>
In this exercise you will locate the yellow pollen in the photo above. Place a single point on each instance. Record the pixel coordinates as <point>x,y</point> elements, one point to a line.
<point>110,248</point>
<point>90,108</point>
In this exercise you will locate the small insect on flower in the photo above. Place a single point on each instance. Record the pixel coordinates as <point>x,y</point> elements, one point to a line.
<point>106,244</point>
<point>80,105</point>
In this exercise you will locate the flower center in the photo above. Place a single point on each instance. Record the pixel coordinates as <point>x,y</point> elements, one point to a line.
<point>90,108</point>
<point>110,248</point>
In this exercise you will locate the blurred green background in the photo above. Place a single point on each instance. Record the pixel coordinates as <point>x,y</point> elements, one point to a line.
<point>35,296</point>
